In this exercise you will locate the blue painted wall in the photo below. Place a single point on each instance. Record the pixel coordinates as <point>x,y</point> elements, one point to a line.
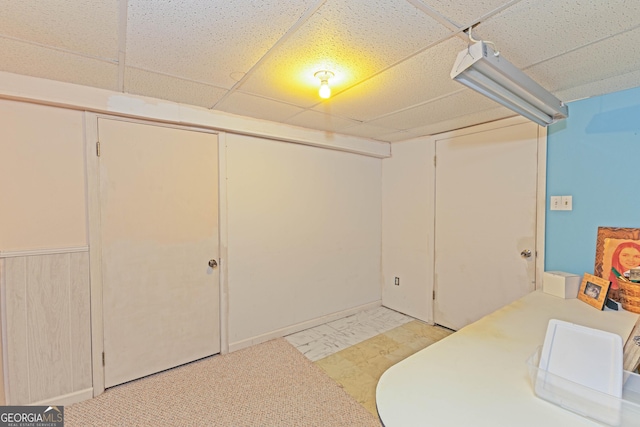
<point>593,156</point>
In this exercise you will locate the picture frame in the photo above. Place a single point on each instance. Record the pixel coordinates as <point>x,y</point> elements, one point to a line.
<point>631,355</point>
<point>593,290</point>
<point>611,244</point>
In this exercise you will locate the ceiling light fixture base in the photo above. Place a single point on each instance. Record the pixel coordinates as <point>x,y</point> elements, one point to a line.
<point>324,76</point>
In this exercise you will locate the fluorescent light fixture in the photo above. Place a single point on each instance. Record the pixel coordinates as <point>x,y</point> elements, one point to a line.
<point>480,68</point>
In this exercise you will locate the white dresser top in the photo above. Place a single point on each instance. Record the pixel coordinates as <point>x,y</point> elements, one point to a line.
<point>478,376</point>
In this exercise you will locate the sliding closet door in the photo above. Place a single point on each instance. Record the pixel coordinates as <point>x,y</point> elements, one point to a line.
<point>485,223</point>
<point>159,230</point>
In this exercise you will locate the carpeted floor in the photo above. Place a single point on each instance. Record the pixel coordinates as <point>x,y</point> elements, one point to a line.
<point>270,384</point>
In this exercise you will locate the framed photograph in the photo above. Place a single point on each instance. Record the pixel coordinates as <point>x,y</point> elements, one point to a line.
<point>617,248</point>
<point>593,290</point>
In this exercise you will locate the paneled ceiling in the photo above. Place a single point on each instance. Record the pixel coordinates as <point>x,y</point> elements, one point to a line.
<point>257,58</point>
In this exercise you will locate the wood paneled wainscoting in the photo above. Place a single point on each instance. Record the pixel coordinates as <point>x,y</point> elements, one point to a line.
<point>46,327</point>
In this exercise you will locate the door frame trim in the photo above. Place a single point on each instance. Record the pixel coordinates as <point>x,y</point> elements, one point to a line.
<point>223,244</point>
<point>94,231</point>
<point>541,201</point>
<point>541,194</point>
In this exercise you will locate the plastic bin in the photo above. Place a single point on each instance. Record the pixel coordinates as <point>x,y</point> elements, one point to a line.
<point>593,404</point>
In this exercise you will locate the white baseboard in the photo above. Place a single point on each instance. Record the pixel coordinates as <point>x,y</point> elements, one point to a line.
<point>66,399</point>
<point>300,326</point>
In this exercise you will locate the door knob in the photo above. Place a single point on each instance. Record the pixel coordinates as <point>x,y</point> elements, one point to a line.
<point>213,263</point>
<point>526,253</point>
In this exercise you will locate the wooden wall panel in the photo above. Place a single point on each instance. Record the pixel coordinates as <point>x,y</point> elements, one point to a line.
<point>80,321</point>
<point>16,318</point>
<point>48,326</point>
<point>3,335</point>
<point>48,321</point>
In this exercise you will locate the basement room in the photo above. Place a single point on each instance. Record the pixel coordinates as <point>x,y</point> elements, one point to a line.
<point>333,213</point>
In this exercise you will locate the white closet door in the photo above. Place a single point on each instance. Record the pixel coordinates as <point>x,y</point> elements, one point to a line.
<point>159,229</point>
<point>485,218</point>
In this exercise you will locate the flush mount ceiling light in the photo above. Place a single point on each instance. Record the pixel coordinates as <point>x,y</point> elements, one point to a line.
<point>483,69</point>
<point>324,76</point>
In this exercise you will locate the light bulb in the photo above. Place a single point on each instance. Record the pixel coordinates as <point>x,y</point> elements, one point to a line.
<point>324,76</point>
<point>325,90</point>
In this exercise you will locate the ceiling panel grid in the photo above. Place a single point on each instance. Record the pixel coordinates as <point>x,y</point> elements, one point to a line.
<point>533,31</point>
<point>206,40</point>
<point>422,77</point>
<point>352,38</point>
<point>87,27</point>
<point>37,61</point>
<point>391,58</point>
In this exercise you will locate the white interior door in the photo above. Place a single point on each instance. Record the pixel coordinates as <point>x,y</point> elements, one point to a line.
<point>485,217</point>
<point>159,229</point>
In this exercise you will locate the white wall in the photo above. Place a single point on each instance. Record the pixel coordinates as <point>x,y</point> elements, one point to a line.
<point>44,264</point>
<point>407,228</point>
<point>304,221</point>
<point>42,178</point>
<point>304,234</point>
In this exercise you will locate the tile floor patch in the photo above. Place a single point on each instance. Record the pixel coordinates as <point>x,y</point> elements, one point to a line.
<point>324,340</point>
<point>356,350</point>
<point>359,367</point>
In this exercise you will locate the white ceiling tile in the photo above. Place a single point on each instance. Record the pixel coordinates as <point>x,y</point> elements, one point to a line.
<point>600,87</point>
<point>146,83</point>
<point>85,26</point>
<point>574,48</point>
<point>402,135</point>
<point>614,56</point>
<point>352,38</point>
<point>30,60</point>
<point>423,77</point>
<point>314,120</point>
<point>464,13</point>
<point>206,40</point>
<point>260,108</point>
<point>535,30</point>
<point>368,131</point>
<point>456,105</point>
<point>463,121</point>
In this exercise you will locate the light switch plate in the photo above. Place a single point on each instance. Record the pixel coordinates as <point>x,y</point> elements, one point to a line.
<point>566,203</point>
<point>556,203</point>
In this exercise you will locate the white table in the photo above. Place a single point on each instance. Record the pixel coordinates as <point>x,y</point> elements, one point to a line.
<point>478,376</point>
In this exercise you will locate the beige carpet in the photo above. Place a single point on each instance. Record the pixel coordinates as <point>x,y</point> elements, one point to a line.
<point>270,384</point>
